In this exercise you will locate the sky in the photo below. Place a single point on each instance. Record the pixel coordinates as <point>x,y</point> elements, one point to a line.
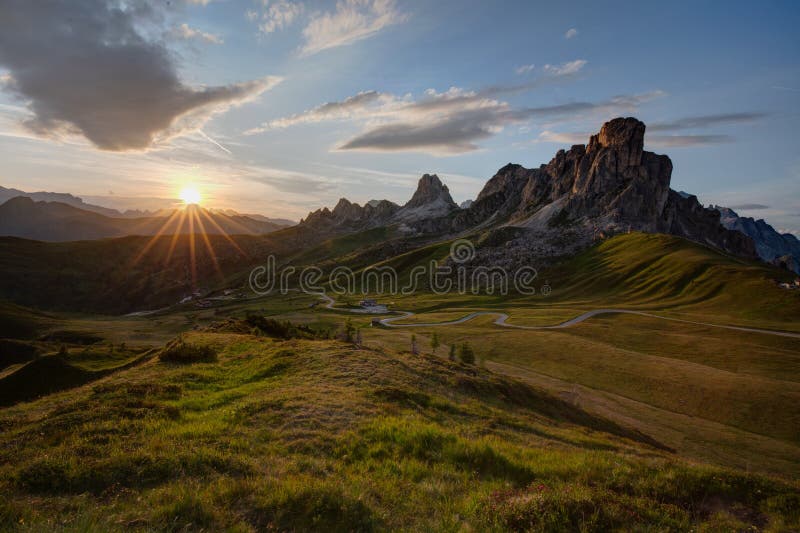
<point>279,107</point>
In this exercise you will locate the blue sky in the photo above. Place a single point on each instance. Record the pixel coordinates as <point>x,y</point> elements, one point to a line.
<point>457,88</point>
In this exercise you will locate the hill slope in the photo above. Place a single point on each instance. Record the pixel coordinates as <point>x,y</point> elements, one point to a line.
<point>665,272</point>
<point>300,434</point>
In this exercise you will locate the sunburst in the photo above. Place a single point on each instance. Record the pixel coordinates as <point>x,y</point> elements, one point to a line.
<point>189,221</point>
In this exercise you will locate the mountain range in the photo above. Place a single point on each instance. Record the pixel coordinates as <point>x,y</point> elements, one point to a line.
<point>781,249</point>
<point>611,185</point>
<point>587,193</point>
<point>24,217</point>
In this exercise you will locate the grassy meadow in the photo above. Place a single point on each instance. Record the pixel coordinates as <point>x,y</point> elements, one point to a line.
<point>199,419</point>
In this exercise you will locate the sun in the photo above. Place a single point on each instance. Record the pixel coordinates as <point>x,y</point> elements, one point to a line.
<point>190,195</point>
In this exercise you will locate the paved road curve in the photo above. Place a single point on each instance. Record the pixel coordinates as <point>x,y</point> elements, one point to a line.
<point>503,317</point>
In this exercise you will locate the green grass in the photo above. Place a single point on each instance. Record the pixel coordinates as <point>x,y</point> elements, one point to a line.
<point>668,273</point>
<point>621,422</point>
<point>304,434</point>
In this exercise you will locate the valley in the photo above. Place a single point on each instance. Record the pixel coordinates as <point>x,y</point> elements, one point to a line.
<point>650,380</point>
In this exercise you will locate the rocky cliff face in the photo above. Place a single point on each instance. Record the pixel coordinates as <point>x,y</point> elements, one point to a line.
<point>611,184</point>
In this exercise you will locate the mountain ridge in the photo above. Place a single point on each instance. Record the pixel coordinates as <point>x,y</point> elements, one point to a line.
<point>782,249</point>
<point>56,221</point>
<point>610,185</point>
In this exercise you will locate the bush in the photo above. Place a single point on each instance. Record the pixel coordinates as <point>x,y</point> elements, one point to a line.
<point>282,330</point>
<point>178,351</point>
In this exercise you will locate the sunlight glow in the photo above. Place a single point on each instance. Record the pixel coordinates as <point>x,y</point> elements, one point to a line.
<point>190,195</point>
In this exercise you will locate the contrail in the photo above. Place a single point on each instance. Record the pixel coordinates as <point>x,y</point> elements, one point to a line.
<point>209,139</point>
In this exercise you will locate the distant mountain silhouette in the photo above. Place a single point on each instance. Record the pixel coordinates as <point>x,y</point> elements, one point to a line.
<point>64,198</point>
<point>782,249</point>
<point>59,221</point>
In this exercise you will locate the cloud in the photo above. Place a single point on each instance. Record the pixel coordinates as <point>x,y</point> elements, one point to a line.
<point>686,141</point>
<point>277,15</point>
<point>524,69</point>
<point>704,121</point>
<point>572,110</point>
<point>454,134</point>
<point>353,20</point>
<point>347,108</point>
<point>750,207</point>
<point>565,69</point>
<point>452,123</point>
<point>449,122</point>
<point>184,31</point>
<point>572,32</point>
<point>548,136</point>
<point>87,68</point>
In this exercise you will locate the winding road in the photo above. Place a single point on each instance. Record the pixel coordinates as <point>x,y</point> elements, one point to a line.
<point>502,318</point>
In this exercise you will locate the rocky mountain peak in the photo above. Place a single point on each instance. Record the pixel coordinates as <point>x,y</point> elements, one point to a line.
<point>347,210</point>
<point>430,189</point>
<point>623,135</point>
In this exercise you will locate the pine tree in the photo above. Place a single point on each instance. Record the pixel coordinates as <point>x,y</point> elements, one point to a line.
<point>466,354</point>
<point>348,330</point>
<point>435,342</point>
<point>452,352</point>
<point>414,347</point>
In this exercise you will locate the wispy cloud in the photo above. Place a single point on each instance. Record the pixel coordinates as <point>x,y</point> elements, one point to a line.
<point>347,108</point>
<point>184,31</point>
<point>276,15</point>
<point>86,68</point>
<point>750,207</point>
<point>351,21</point>
<point>570,33</point>
<point>548,136</point>
<point>565,69</point>
<point>686,141</point>
<point>704,121</point>
<point>449,122</point>
<point>524,69</point>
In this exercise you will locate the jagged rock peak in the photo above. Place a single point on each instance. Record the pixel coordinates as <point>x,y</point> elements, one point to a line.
<point>625,135</point>
<point>430,189</point>
<point>347,210</point>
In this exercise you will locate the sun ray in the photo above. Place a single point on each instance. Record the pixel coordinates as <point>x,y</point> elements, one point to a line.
<point>192,252</point>
<point>155,237</point>
<point>222,232</point>
<point>175,237</point>
<point>209,247</point>
<point>243,228</point>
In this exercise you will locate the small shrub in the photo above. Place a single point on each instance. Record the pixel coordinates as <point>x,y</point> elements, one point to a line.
<point>178,351</point>
<point>270,327</point>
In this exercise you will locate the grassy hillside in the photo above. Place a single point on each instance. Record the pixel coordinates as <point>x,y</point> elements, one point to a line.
<point>665,272</point>
<point>303,434</point>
